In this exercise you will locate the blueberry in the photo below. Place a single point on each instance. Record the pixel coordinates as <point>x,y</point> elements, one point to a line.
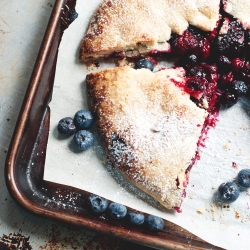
<point>117,210</point>
<point>136,219</point>
<point>239,87</point>
<point>72,16</point>
<point>144,63</point>
<point>98,204</point>
<point>224,63</point>
<point>83,139</point>
<point>189,60</point>
<point>229,98</point>
<point>244,178</point>
<point>154,222</point>
<point>197,71</point>
<point>229,191</point>
<point>66,126</point>
<point>83,119</point>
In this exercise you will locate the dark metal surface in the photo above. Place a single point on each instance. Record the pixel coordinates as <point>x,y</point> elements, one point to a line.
<point>26,158</point>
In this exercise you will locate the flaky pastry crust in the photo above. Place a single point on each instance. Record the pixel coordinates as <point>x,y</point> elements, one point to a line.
<point>149,127</point>
<point>139,26</point>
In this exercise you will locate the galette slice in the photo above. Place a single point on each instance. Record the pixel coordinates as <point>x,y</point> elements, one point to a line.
<point>139,27</point>
<point>149,127</point>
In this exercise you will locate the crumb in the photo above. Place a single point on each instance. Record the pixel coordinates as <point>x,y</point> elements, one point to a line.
<point>191,196</point>
<point>237,215</point>
<point>234,165</point>
<point>200,210</point>
<point>103,160</point>
<point>227,146</point>
<point>123,62</point>
<point>213,187</point>
<point>240,153</point>
<point>93,65</point>
<point>245,127</point>
<point>248,191</point>
<point>235,133</point>
<point>214,210</point>
<point>225,205</point>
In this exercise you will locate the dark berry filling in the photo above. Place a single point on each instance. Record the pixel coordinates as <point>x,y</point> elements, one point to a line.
<point>217,65</point>
<point>192,42</point>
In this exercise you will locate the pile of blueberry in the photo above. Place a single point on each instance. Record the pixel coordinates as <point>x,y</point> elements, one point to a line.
<point>230,191</point>
<point>78,126</point>
<point>100,205</point>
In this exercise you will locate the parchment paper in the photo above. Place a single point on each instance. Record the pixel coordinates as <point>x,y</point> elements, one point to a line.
<point>222,225</point>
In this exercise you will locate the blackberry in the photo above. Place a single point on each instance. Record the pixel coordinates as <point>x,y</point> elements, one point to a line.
<point>233,41</point>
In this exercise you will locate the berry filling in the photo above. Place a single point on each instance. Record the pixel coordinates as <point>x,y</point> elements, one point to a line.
<point>217,68</point>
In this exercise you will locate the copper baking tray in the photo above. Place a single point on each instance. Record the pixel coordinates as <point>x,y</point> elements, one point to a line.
<point>26,158</point>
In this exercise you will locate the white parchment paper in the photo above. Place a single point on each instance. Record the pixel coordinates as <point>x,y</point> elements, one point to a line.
<point>224,226</point>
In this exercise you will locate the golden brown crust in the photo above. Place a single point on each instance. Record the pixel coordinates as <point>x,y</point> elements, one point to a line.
<point>140,26</point>
<point>149,127</point>
<point>239,9</point>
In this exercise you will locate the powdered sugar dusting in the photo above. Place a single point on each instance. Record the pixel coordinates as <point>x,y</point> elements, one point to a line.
<point>117,25</point>
<point>150,127</point>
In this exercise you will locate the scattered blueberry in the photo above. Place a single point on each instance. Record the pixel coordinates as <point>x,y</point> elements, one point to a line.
<point>136,219</point>
<point>83,139</point>
<point>83,119</point>
<point>229,191</point>
<point>144,63</point>
<point>66,126</point>
<point>244,178</point>
<point>73,16</point>
<point>98,204</point>
<point>154,222</point>
<point>229,98</point>
<point>117,210</point>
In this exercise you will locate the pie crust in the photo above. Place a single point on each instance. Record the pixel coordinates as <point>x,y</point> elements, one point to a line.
<point>240,10</point>
<point>149,127</point>
<point>138,27</point>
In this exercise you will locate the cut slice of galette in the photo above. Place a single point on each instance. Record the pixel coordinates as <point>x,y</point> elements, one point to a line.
<point>149,127</point>
<point>137,27</point>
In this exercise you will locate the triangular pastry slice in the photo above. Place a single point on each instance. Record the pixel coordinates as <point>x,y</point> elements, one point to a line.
<point>138,27</point>
<point>149,127</point>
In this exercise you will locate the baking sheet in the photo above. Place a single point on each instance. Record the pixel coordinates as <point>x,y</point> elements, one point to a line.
<point>224,225</point>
